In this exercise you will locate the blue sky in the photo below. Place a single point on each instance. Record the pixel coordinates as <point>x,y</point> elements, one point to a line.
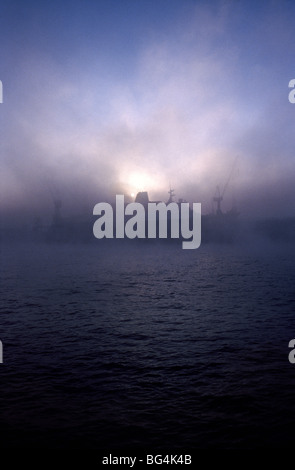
<point>111,97</point>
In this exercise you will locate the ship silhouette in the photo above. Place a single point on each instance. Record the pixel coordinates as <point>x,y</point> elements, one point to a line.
<point>217,226</point>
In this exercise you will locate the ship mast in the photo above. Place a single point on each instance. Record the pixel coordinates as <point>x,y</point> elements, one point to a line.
<point>171,195</point>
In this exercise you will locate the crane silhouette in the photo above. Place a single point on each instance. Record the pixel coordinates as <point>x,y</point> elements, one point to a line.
<point>218,197</point>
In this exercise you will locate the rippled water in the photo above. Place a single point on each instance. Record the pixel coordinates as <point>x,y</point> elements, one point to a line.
<point>109,347</point>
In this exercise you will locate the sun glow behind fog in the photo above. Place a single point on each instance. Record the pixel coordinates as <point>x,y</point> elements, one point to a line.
<point>175,114</point>
<point>133,182</point>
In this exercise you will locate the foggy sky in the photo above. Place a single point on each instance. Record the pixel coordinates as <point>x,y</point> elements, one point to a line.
<point>118,96</point>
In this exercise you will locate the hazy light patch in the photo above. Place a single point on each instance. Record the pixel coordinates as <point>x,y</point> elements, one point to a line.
<point>10,188</point>
<point>133,182</point>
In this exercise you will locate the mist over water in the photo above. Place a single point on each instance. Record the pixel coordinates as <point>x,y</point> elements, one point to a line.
<point>132,344</point>
<point>147,346</point>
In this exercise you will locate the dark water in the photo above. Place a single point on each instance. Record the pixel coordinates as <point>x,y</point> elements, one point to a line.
<point>109,347</point>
